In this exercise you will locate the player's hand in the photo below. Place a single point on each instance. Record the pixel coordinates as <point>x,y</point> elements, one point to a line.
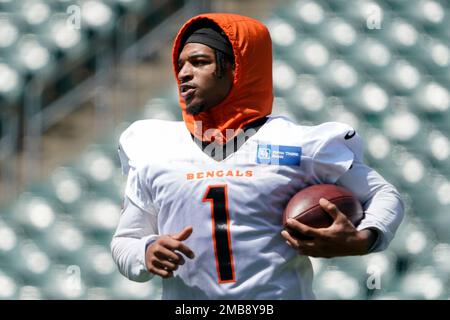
<point>163,256</point>
<point>339,239</point>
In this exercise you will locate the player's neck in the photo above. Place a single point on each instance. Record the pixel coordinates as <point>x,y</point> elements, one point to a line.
<point>233,144</point>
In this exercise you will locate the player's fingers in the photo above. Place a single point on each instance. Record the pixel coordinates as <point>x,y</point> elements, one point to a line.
<point>181,260</point>
<point>331,209</point>
<point>166,264</point>
<point>173,245</point>
<point>186,250</point>
<point>290,240</point>
<point>159,270</point>
<point>183,234</point>
<point>162,252</point>
<point>303,228</point>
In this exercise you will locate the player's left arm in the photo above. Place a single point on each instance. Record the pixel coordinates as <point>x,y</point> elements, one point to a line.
<point>340,161</point>
<point>383,209</point>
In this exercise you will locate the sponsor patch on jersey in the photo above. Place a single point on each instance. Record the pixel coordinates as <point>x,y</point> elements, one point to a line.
<point>280,155</point>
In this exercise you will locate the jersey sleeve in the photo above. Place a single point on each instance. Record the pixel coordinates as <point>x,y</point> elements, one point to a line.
<point>126,150</point>
<point>340,147</point>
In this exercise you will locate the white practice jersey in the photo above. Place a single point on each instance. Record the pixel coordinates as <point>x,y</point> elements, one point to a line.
<point>235,205</point>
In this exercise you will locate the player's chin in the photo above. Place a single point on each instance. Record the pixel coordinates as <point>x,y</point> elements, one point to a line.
<point>194,107</point>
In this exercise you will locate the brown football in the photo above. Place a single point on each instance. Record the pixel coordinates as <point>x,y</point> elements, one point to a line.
<point>304,205</point>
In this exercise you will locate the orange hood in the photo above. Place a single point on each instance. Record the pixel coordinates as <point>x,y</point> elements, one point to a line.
<point>251,96</point>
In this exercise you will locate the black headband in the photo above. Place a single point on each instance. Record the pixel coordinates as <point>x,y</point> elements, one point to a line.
<point>211,38</point>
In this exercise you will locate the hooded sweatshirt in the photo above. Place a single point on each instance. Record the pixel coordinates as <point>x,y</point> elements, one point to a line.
<point>251,96</point>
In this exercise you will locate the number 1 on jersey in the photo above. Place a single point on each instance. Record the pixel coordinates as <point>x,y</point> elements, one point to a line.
<point>217,195</point>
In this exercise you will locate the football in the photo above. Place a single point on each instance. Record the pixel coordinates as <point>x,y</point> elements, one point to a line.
<point>304,206</point>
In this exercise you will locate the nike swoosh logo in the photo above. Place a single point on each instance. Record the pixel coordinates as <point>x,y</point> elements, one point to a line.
<point>350,135</point>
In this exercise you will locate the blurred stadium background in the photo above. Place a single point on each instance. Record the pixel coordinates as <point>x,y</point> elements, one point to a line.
<point>74,74</point>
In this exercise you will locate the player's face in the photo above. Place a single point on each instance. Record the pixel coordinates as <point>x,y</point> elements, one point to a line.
<point>200,87</point>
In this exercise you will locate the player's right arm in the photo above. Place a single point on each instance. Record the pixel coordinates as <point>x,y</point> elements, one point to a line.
<point>140,252</point>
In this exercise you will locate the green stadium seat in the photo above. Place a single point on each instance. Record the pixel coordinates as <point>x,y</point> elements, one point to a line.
<point>437,149</point>
<point>27,292</point>
<point>97,265</point>
<point>10,30</point>
<point>309,15</point>
<point>64,282</point>
<point>64,241</point>
<point>337,284</point>
<point>413,243</point>
<point>32,56</point>
<point>8,286</point>
<point>430,14</point>
<point>100,167</point>
<point>365,15</point>
<point>63,38</point>
<point>98,293</point>
<point>308,98</point>
<point>284,77</point>
<point>401,35</point>
<point>97,15</point>
<point>122,288</point>
<point>339,34</point>
<point>100,217</point>
<point>431,97</point>
<point>9,243</point>
<point>11,88</point>
<point>34,213</point>
<point>32,263</point>
<point>67,186</point>
<point>34,13</point>
<point>339,77</point>
<point>371,55</point>
<point>283,36</point>
<point>434,54</point>
<point>369,99</point>
<point>402,77</point>
<point>405,128</point>
<point>441,257</point>
<point>309,55</point>
<point>424,283</point>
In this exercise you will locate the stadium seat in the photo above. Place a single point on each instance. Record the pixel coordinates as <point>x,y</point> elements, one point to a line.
<point>32,263</point>
<point>8,286</point>
<point>97,15</point>
<point>371,56</point>
<point>309,55</point>
<point>34,213</point>
<point>10,236</point>
<point>62,38</point>
<point>122,288</point>
<point>30,293</point>
<point>100,217</point>
<point>284,77</point>
<point>340,34</point>
<point>95,263</point>
<point>424,283</point>
<point>339,77</point>
<point>338,284</point>
<point>64,241</point>
<point>64,282</point>
<point>11,86</point>
<point>283,36</point>
<point>402,77</point>
<point>32,56</point>
<point>308,98</point>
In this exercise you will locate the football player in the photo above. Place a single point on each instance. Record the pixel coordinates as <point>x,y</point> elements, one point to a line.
<point>204,197</point>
